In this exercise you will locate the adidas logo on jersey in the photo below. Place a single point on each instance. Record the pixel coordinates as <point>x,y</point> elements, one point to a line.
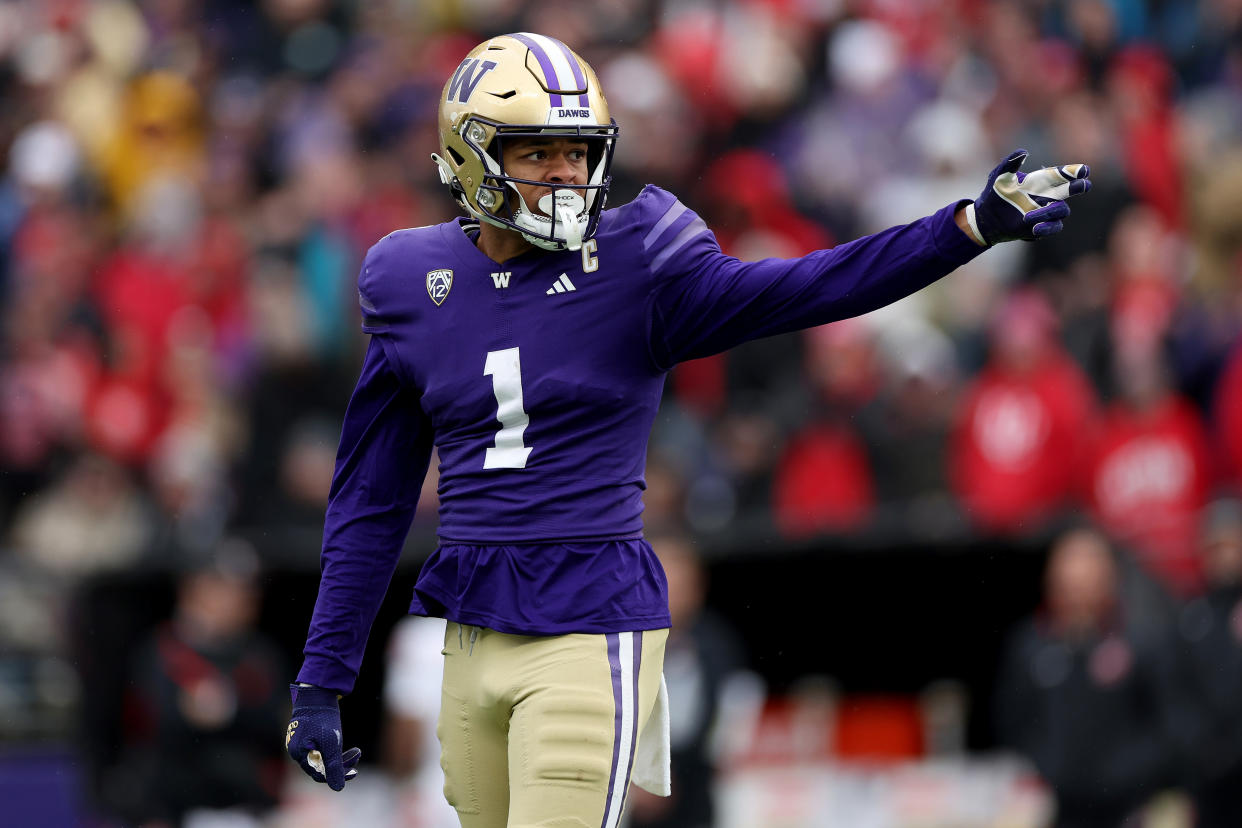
<point>561,285</point>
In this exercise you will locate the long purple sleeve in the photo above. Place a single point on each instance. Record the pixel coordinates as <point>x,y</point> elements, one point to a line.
<point>710,302</point>
<point>383,456</point>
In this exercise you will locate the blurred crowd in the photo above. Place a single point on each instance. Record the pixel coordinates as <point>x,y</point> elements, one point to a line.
<point>1118,702</point>
<point>189,187</point>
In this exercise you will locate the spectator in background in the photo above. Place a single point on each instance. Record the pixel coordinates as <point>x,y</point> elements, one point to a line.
<point>157,286</point>
<point>746,442</point>
<point>93,519</point>
<point>159,140</point>
<point>412,706</point>
<point>187,470</point>
<point>823,481</point>
<point>1079,122</point>
<point>1084,693</point>
<point>305,470</point>
<point>702,656</point>
<point>1214,187</point>
<point>1140,83</point>
<point>1228,420</point>
<point>49,334</point>
<point>752,211</point>
<point>1210,637</point>
<point>207,692</point>
<point>906,426</point>
<point>1023,422</point>
<point>1148,476</point>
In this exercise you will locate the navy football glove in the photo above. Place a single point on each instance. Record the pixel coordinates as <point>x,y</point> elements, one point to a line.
<point>314,737</point>
<point>1016,205</point>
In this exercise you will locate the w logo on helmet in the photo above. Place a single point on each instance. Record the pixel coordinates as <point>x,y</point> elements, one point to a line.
<point>466,78</point>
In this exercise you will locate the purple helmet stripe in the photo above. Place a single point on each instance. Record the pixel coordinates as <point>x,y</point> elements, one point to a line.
<point>614,663</point>
<point>579,77</point>
<point>545,64</point>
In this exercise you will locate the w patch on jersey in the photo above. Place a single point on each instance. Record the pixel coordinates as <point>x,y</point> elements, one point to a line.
<point>439,283</point>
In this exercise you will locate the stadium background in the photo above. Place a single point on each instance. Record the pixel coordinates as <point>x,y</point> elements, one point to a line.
<point>189,187</point>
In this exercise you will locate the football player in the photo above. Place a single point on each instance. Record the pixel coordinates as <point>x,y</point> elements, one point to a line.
<point>529,342</point>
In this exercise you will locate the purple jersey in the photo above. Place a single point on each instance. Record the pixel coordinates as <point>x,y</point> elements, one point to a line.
<point>538,381</point>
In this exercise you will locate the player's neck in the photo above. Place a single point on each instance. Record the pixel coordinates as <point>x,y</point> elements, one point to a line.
<point>500,244</point>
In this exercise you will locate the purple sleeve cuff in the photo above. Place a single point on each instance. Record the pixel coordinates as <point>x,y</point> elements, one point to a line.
<point>328,675</point>
<point>951,243</point>
<point>312,696</point>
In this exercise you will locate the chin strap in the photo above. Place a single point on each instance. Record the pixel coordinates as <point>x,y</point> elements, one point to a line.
<point>446,172</point>
<point>447,176</point>
<point>536,228</point>
<point>568,220</point>
<point>568,208</point>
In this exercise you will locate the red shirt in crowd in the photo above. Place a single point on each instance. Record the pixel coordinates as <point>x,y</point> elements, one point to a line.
<point>1149,479</point>
<point>1013,458</point>
<point>1229,419</point>
<point>822,483</point>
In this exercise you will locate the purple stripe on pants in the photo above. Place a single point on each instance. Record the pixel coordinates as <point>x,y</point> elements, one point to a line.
<point>545,63</point>
<point>614,663</point>
<point>638,663</point>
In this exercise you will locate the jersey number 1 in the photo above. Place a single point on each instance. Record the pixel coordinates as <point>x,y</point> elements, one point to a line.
<point>505,369</point>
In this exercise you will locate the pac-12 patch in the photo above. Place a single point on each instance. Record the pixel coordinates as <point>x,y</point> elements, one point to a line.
<point>439,283</point>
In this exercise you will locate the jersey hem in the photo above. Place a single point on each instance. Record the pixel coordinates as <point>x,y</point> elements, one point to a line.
<point>637,535</point>
<point>480,619</point>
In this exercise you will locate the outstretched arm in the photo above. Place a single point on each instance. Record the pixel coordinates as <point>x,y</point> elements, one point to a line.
<point>707,302</point>
<point>715,302</point>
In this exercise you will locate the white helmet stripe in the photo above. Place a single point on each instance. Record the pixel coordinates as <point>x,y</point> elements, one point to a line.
<point>563,74</point>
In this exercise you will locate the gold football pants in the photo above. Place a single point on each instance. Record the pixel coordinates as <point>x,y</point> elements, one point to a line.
<point>541,731</point>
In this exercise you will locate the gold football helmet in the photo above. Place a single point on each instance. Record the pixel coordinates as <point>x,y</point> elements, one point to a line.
<point>524,85</point>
